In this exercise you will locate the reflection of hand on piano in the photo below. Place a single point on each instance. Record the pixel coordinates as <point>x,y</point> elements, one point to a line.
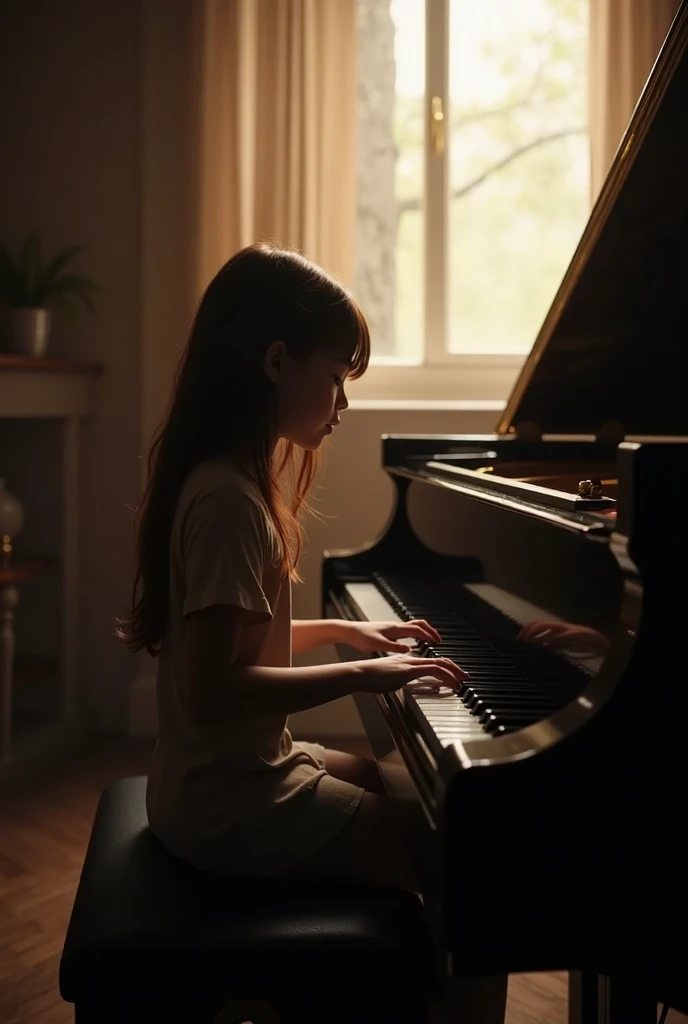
<point>563,636</point>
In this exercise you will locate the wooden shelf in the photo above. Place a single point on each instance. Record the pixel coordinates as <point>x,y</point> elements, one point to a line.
<point>21,569</point>
<point>35,364</point>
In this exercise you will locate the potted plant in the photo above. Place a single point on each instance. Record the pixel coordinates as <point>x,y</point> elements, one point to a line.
<point>27,285</point>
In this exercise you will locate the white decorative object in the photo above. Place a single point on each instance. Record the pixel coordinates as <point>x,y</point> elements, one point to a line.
<point>28,330</point>
<point>11,521</point>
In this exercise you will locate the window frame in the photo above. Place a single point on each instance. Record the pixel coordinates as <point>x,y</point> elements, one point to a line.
<point>439,373</point>
<point>436,186</point>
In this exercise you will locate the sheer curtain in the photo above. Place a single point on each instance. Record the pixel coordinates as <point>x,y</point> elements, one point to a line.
<point>625,38</point>
<point>276,103</point>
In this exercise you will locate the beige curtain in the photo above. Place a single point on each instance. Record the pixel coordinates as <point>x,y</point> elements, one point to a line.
<point>625,38</point>
<point>276,103</point>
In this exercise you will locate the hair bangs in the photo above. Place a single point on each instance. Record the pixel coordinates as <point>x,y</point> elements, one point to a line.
<point>350,330</point>
<point>361,354</point>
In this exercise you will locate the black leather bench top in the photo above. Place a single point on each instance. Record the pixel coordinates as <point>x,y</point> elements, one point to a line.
<point>135,900</point>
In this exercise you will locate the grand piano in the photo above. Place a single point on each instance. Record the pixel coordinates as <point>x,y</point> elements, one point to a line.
<point>554,784</point>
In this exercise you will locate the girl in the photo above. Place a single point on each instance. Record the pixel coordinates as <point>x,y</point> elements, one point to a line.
<point>218,539</point>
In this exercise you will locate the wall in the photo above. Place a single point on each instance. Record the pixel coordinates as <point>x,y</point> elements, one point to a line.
<point>70,97</point>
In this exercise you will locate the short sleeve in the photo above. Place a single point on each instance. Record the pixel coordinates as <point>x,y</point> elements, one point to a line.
<point>224,544</point>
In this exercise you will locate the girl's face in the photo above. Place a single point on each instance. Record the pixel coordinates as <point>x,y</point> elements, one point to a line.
<point>310,393</point>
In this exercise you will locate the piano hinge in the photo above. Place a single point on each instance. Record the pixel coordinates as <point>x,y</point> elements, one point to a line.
<point>528,430</point>
<point>611,432</point>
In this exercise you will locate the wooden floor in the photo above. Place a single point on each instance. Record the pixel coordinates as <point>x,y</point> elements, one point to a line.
<point>44,829</point>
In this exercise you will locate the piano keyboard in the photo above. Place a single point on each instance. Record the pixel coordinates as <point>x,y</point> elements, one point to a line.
<point>511,685</point>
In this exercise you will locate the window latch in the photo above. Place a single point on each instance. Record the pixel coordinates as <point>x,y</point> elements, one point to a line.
<point>436,126</point>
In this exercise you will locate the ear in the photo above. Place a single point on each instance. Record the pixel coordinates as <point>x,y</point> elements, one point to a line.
<point>274,359</point>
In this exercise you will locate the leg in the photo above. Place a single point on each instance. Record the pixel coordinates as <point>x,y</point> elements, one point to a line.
<point>360,771</point>
<point>364,772</point>
<point>370,848</point>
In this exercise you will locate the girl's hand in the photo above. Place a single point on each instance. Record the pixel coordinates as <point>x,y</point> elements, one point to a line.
<point>383,637</point>
<point>383,675</point>
<point>565,636</point>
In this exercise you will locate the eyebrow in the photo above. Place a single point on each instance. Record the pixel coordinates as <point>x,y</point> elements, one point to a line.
<point>344,360</point>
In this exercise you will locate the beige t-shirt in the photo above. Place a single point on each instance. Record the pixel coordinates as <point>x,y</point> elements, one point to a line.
<point>239,796</point>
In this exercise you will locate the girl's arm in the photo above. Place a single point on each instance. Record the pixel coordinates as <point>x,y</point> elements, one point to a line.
<point>215,686</point>
<point>369,637</point>
<point>309,633</point>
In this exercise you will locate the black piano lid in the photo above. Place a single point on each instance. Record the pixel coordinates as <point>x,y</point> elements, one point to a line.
<point>612,354</point>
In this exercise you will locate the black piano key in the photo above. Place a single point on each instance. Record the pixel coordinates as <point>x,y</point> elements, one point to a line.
<point>511,720</point>
<point>511,684</point>
<point>511,716</point>
<point>510,698</point>
<point>472,690</point>
<point>503,700</point>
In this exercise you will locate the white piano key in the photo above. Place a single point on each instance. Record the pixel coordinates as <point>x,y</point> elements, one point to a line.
<point>430,709</point>
<point>374,606</point>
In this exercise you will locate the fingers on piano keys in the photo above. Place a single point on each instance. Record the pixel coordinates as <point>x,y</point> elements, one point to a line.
<point>429,686</point>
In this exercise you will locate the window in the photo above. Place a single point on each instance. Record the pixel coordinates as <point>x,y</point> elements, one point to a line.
<point>473,159</point>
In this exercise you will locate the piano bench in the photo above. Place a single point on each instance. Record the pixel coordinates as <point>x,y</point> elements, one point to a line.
<point>152,939</point>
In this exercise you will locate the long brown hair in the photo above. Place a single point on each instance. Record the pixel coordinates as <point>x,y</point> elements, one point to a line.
<point>223,404</point>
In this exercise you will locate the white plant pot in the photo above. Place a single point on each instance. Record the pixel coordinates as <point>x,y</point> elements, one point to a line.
<point>28,330</point>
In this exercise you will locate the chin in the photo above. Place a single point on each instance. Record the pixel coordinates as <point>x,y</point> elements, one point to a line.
<point>310,441</point>
<point>309,444</point>
<point>312,444</point>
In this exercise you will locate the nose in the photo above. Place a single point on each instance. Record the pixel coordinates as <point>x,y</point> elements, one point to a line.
<point>342,400</point>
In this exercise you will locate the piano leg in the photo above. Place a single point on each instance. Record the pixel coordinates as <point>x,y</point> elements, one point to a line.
<point>629,1000</point>
<point>586,1001</point>
<point>619,999</point>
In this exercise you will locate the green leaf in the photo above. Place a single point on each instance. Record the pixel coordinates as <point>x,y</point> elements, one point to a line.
<point>54,268</point>
<point>28,283</point>
<point>71,282</point>
<point>78,286</point>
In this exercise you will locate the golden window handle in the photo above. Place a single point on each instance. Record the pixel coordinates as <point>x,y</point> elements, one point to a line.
<point>436,126</point>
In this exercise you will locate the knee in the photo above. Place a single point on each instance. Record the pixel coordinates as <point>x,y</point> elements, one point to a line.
<point>359,771</point>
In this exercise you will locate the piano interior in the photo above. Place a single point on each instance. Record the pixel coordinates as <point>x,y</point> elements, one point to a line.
<point>558,476</point>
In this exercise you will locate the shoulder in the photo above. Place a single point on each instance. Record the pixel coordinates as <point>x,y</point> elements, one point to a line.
<point>215,477</point>
<point>216,494</point>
